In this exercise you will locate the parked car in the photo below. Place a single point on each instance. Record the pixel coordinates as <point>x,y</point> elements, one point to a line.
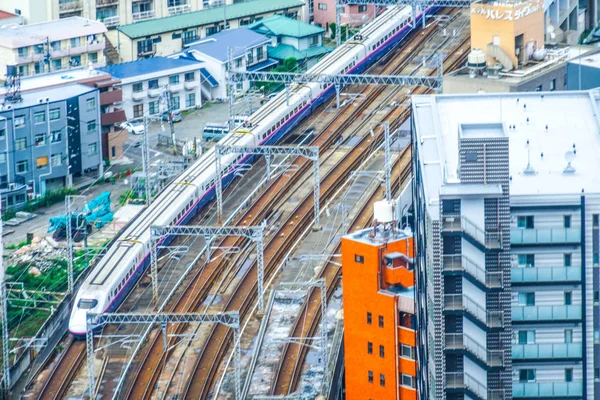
<point>135,127</point>
<point>176,115</point>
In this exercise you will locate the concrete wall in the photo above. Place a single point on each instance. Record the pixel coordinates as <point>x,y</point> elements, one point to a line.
<point>590,76</point>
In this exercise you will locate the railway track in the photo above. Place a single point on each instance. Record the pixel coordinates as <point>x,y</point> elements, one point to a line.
<point>67,367</point>
<point>305,325</point>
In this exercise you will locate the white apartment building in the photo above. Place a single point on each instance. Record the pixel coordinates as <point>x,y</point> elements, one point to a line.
<point>144,82</point>
<point>52,46</point>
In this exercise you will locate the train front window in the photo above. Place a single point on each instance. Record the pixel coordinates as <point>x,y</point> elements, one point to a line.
<point>87,304</point>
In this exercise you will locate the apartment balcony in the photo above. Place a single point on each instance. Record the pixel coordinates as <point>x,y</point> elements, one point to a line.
<point>546,313</point>
<point>178,87</point>
<point>143,15</point>
<point>25,59</point>
<point>70,6</point>
<point>545,275</point>
<point>463,264</point>
<point>463,342</point>
<point>548,389</point>
<point>111,118</point>
<point>111,97</point>
<point>111,21</point>
<point>460,302</point>
<point>139,96</point>
<point>549,351</point>
<point>174,10</point>
<point>407,366</point>
<point>464,382</point>
<point>407,336</point>
<point>106,3</point>
<point>407,393</point>
<point>96,45</point>
<point>549,236</point>
<point>190,85</point>
<point>490,240</point>
<point>154,92</point>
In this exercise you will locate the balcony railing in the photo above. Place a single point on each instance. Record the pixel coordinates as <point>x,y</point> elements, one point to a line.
<point>137,96</point>
<point>548,389</point>
<point>491,240</point>
<point>538,275</point>
<point>70,6</point>
<point>111,118</point>
<point>111,21</point>
<point>492,319</point>
<point>459,341</point>
<point>154,92</point>
<point>545,236</point>
<point>464,381</point>
<point>174,10</point>
<point>111,96</point>
<point>491,280</point>
<point>546,313</point>
<point>549,351</point>
<point>178,87</point>
<point>142,15</point>
<point>105,3</point>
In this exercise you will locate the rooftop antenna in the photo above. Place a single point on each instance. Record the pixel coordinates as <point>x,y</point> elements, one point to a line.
<point>529,170</point>
<point>569,156</point>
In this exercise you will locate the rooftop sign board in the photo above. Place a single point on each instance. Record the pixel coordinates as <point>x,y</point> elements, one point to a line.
<point>507,11</point>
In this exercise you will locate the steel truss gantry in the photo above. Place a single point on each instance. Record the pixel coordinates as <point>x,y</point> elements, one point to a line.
<point>69,200</point>
<point>338,80</point>
<point>255,233</point>
<point>95,321</point>
<point>309,152</point>
<point>321,285</point>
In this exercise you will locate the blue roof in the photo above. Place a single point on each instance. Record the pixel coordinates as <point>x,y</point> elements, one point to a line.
<point>265,64</point>
<point>211,81</point>
<point>216,45</point>
<point>146,66</point>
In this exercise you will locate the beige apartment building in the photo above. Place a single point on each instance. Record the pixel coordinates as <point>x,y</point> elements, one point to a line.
<point>110,12</point>
<point>52,46</point>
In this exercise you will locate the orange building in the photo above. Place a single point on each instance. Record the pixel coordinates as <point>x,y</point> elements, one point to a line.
<point>379,308</point>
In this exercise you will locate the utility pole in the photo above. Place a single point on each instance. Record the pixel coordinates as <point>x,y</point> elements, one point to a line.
<point>4,312</point>
<point>146,162</point>
<point>168,99</point>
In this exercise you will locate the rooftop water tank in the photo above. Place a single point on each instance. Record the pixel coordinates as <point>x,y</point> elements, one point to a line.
<point>476,59</point>
<point>383,211</point>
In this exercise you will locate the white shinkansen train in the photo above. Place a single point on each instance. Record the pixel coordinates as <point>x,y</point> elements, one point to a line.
<point>128,255</point>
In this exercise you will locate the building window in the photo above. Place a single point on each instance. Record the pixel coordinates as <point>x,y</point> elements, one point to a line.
<point>259,53</point>
<point>568,374</point>
<point>75,61</point>
<point>189,76</point>
<point>190,36</point>
<point>190,100</point>
<point>113,151</point>
<point>596,296</point>
<point>174,79</point>
<point>54,114</point>
<point>526,260</point>
<point>359,259</point>
<point>408,352</point>
<point>526,337</point>
<point>362,8</point>
<point>75,42</point>
<point>595,218</point>
<point>527,299</point>
<point>565,81</point>
<point>553,84</point>
<point>56,65</point>
<point>322,6</point>
<point>381,379</point>
<point>314,40</point>
<point>596,374</point>
<point>91,126</point>
<point>2,133</point>
<point>211,30</point>
<point>93,57</point>
<point>92,149</point>
<point>568,335</point>
<point>55,136</point>
<point>176,104</point>
<point>527,375</point>
<point>539,88</point>
<point>369,318</point>
<point>369,347</point>
<point>138,110</point>
<point>22,167</point>
<point>176,36</point>
<point>370,376</point>
<point>90,104</point>
<point>566,221</point>
<point>381,351</point>
<point>567,259</point>
<point>239,63</point>
<point>153,107</point>
<point>55,45</point>
<point>56,160</point>
<point>20,144</point>
<point>525,221</point>
<point>137,87</point>
<point>40,139</point>
<point>153,84</point>
<point>408,380</point>
<point>23,51</point>
<point>250,57</point>
<point>39,117</point>
<point>20,121</point>
<point>568,298</point>
<point>145,47</point>
<point>381,321</point>
<point>41,162</point>
<point>2,158</point>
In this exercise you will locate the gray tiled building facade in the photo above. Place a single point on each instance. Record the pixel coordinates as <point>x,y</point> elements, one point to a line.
<point>45,134</point>
<point>507,235</point>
